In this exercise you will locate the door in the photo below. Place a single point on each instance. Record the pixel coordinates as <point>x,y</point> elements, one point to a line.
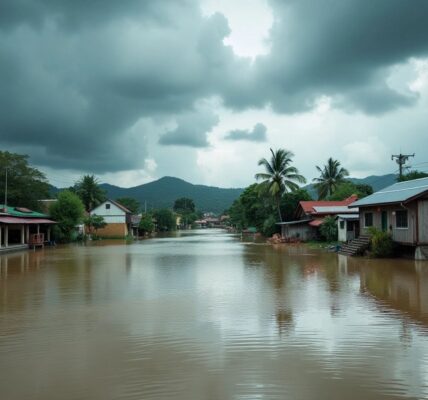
<point>423,221</point>
<point>384,221</point>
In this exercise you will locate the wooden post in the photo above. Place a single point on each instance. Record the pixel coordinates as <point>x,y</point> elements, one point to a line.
<point>1,228</point>
<point>6,236</point>
<point>38,228</point>
<point>22,234</point>
<point>28,233</point>
<point>49,234</point>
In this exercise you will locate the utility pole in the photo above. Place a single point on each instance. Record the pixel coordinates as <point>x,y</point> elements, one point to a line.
<point>401,160</point>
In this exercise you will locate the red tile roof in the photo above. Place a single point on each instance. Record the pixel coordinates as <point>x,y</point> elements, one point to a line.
<point>308,206</point>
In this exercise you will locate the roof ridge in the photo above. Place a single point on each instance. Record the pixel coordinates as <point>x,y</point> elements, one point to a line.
<point>401,190</point>
<point>411,180</point>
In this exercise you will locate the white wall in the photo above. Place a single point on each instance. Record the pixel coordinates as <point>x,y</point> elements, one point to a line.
<point>113,215</point>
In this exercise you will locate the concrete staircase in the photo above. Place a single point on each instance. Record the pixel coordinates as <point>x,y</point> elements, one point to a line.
<point>421,253</point>
<point>355,247</point>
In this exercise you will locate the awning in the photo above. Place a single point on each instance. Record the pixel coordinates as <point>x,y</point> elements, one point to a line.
<point>33,221</point>
<point>316,222</point>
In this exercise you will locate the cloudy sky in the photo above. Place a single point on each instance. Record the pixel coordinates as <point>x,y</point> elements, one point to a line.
<point>134,90</point>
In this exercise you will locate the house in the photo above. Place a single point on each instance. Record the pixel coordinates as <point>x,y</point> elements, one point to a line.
<point>348,226</point>
<point>21,227</point>
<point>402,210</point>
<point>118,219</point>
<point>311,214</point>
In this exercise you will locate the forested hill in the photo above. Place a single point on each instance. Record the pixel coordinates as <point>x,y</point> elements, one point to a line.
<point>163,193</point>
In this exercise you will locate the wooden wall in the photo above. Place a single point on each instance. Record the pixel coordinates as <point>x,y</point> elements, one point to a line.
<point>400,235</point>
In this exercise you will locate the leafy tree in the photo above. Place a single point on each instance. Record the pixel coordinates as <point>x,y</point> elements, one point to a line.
<point>146,223</point>
<point>67,212</point>
<point>328,229</point>
<point>89,191</point>
<point>412,175</point>
<point>184,205</point>
<point>130,203</point>
<point>254,208</point>
<point>347,188</point>
<point>94,222</point>
<point>332,174</point>
<point>25,185</point>
<point>279,176</point>
<point>290,201</point>
<point>165,219</point>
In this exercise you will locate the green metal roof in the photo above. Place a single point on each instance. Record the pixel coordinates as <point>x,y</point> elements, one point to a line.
<point>21,212</point>
<point>397,193</point>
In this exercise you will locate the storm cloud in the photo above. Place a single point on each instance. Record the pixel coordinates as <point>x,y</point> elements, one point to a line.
<point>191,130</point>
<point>257,134</point>
<point>76,77</point>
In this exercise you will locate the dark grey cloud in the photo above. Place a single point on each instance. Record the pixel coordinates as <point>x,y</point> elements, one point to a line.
<point>73,96</point>
<point>191,130</point>
<point>343,49</point>
<point>257,134</point>
<point>77,76</point>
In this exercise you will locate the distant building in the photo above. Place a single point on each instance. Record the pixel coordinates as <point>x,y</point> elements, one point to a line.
<point>118,219</point>
<point>402,210</point>
<point>21,227</point>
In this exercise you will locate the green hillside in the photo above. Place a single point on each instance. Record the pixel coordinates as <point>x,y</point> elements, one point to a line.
<point>163,193</point>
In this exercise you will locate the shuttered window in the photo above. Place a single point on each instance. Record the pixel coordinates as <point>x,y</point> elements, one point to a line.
<point>401,219</point>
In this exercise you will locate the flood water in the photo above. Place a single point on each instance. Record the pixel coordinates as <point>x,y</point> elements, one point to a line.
<point>202,315</point>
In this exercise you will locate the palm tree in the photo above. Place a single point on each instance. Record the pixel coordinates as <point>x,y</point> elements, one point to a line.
<point>279,176</point>
<point>89,191</point>
<point>332,174</point>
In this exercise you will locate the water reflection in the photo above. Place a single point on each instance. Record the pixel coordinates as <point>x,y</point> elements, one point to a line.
<point>202,315</point>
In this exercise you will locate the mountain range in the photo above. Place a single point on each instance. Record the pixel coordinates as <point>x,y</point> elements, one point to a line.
<point>163,192</point>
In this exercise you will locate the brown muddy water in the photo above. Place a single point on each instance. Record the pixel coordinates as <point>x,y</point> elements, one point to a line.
<point>202,315</point>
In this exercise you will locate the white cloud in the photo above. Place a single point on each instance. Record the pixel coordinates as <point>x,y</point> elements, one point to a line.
<point>250,22</point>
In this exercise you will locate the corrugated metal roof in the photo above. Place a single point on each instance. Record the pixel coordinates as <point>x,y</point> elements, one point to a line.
<point>398,193</point>
<point>300,221</point>
<point>21,212</point>
<point>333,209</point>
<point>308,206</point>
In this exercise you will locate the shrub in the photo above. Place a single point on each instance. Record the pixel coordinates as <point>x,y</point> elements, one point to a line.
<point>381,243</point>
<point>328,229</point>
<point>67,212</point>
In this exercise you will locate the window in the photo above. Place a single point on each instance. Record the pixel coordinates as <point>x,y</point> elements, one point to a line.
<point>368,219</point>
<point>107,206</point>
<point>342,224</point>
<point>401,219</point>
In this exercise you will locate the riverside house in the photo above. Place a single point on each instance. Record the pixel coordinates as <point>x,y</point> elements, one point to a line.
<point>21,228</point>
<point>310,216</point>
<point>118,219</point>
<point>400,209</point>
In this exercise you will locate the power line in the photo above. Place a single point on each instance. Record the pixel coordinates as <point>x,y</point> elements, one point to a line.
<point>401,160</point>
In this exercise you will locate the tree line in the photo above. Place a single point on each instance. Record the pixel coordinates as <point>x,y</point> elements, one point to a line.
<point>277,196</point>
